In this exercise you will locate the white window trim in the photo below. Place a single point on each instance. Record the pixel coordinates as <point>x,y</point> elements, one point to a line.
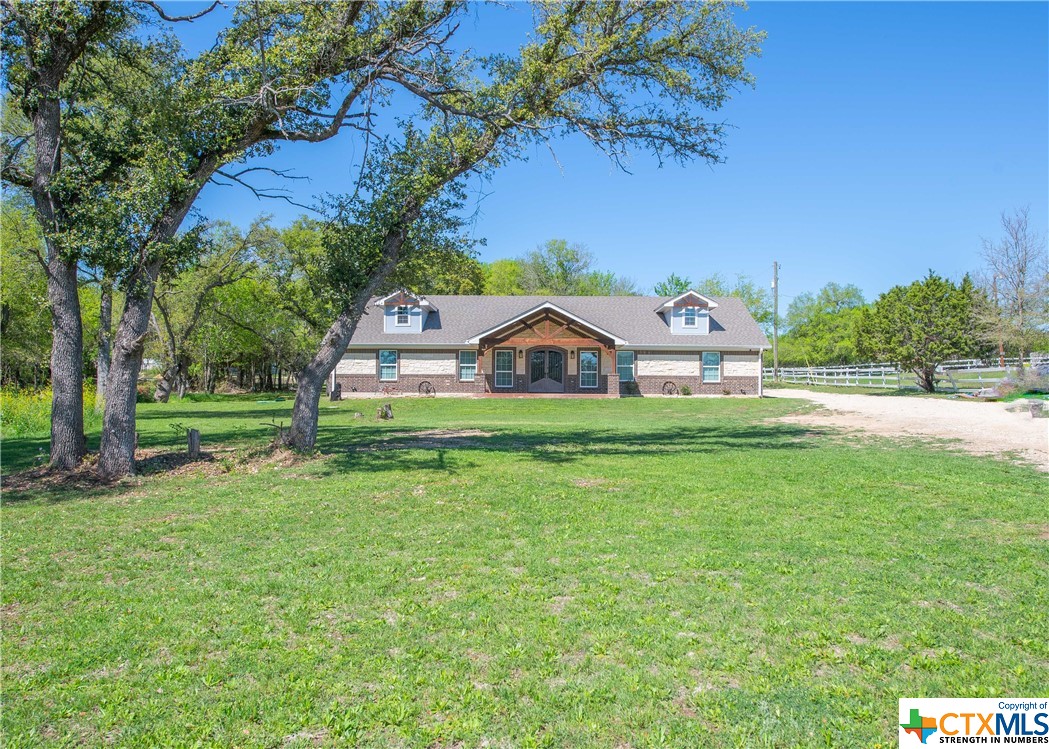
<point>633,366</point>
<point>695,317</point>
<point>397,316</point>
<point>396,365</point>
<point>496,370</point>
<point>461,365</point>
<point>703,367</point>
<point>597,372</point>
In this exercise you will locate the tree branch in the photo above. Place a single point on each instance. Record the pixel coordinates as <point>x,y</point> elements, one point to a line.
<point>177,19</point>
<point>276,193</point>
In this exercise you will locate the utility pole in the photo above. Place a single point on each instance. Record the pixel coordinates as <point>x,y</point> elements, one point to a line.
<point>775,320</point>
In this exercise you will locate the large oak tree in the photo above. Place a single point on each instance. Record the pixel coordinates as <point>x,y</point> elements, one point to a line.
<point>642,75</point>
<point>620,74</point>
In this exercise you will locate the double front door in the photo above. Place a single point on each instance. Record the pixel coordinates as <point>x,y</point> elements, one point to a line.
<point>546,371</point>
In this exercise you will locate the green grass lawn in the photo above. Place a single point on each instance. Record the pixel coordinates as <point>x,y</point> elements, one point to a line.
<point>600,573</point>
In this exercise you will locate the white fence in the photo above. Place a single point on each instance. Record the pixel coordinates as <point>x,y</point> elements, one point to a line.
<point>959,374</point>
<point>859,375</point>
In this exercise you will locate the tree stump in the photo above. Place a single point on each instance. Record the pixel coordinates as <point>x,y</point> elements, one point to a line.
<point>194,444</point>
<point>385,412</point>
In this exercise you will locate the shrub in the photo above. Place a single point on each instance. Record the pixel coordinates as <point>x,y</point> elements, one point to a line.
<point>26,412</point>
<point>630,388</point>
<point>686,390</point>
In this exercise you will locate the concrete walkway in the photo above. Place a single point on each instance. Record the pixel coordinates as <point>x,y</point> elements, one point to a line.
<point>981,428</point>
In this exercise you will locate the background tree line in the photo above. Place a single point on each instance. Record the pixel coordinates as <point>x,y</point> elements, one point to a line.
<point>245,313</point>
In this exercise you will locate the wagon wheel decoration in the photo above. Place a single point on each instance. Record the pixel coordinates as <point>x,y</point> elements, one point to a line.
<point>669,388</point>
<point>426,389</point>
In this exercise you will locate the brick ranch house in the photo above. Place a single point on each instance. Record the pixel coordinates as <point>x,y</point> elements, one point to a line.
<point>580,345</point>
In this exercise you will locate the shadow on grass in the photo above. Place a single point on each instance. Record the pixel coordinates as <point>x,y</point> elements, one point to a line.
<point>375,448</point>
<point>279,411</point>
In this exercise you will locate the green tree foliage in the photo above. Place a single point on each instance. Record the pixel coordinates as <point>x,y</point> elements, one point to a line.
<point>442,271</point>
<point>504,278</point>
<point>25,321</point>
<point>755,297</point>
<point>921,325</point>
<point>607,283</point>
<point>247,333</point>
<point>821,328</point>
<point>555,268</point>
<point>673,285</point>
<point>181,299</point>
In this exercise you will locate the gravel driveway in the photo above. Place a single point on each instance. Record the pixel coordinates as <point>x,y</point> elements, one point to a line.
<point>981,428</point>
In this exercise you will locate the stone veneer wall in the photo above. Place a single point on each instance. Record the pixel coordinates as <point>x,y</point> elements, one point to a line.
<point>741,373</point>
<point>358,371</point>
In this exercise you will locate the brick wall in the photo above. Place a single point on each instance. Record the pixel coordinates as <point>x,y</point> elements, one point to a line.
<point>362,381</point>
<point>407,382</point>
<point>734,385</point>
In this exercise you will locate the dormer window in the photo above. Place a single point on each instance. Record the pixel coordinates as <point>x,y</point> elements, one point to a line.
<point>402,316</point>
<point>690,318</point>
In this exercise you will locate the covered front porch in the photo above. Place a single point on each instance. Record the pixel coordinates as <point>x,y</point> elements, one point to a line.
<point>548,351</point>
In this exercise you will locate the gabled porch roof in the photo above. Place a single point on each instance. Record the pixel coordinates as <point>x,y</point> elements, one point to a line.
<point>508,325</point>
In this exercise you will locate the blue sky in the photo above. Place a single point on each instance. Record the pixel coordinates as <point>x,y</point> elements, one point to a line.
<point>881,140</point>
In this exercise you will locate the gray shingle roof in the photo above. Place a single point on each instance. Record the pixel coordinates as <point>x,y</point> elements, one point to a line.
<point>631,318</point>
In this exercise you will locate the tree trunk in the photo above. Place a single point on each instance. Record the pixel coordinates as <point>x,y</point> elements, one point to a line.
<point>117,452</point>
<point>67,365</point>
<point>183,380</point>
<point>67,344</point>
<point>1020,333</point>
<point>927,379</point>
<point>174,379</point>
<point>105,342</point>
<point>302,434</point>
<point>163,391</point>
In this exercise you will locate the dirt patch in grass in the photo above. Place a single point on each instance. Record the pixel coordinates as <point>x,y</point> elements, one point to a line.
<point>220,461</point>
<point>48,480</point>
<point>557,604</point>
<point>429,439</point>
<point>148,462</point>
